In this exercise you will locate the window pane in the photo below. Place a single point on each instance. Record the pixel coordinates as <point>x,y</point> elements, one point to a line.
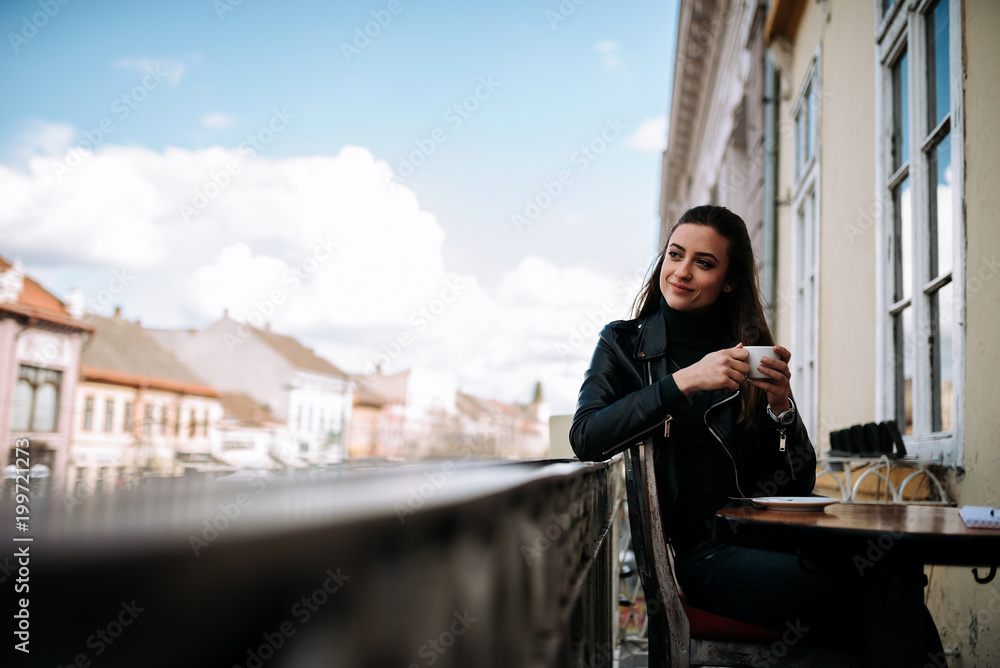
<point>938,72</point>
<point>109,415</point>
<point>902,241</point>
<point>46,408</point>
<point>900,113</point>
<point>939,166</point>
<point>800,131</point>
<point>810,122</point>
<point>941,370</point>
<point>903,364</point>
<point>22,406</point>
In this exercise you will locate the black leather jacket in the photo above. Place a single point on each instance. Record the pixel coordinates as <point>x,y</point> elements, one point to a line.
<point>619,405</point>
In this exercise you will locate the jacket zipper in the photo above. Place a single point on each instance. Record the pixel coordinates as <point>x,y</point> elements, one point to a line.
<point>666,422</point>
<point>649,378</point>
<point>736,471</point>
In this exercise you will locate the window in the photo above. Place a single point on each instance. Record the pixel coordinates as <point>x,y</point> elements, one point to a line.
<point>163,419</point>
<point>147,419</point>
<point>36,399</point>
<point>805,241</point>
<point>918,153</point>
<point>192,424</point>
<point>109,415</point>
<point>88,414</point>
<point>204,425</point>
<point>127,420</point>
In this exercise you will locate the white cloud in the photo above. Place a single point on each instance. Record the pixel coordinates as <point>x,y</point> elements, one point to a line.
<point>320,247</point>
<point>172,70</point>
<point>651,137</point>
<point>217,120</point>
<point>609,49</point>
<point>37,138</point>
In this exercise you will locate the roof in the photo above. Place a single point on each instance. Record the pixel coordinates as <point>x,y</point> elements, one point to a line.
<point>378,390</point>
<point>122,353</point>
<point>297,354</point>
<point>477,408</point>
<point>34,301</point>
<point>244,408</point>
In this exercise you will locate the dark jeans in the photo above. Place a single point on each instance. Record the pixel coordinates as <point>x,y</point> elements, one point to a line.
<point>814,602</point>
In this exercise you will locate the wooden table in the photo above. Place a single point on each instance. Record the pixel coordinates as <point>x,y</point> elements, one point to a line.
<point>887,544</point>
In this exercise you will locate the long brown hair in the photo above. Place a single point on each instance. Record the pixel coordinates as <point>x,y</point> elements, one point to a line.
<point>742,312</point>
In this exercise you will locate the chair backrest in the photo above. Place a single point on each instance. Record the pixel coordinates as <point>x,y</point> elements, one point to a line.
<point>665,612</point>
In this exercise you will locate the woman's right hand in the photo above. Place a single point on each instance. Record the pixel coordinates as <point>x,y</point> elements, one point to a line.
<point>722,370</point>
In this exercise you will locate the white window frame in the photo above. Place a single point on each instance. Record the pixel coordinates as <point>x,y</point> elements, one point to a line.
<point>805,300</point>
<point>904,28</point>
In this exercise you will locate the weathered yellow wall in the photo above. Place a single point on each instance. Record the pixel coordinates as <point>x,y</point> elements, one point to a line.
<point>968,613</point>
<point>847,207</point>
<point>847,231</point>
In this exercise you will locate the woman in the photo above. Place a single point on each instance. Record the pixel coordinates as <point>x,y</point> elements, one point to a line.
<point>678,372</point>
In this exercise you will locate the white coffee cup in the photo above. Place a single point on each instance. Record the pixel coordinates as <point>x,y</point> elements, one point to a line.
<point>756,352</point>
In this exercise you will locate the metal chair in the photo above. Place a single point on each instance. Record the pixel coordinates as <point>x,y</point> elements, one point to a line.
<point>681,635</point>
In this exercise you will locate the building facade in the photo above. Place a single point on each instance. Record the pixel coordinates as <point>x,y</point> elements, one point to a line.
<point>307,394</point>
<point>879,244</point>
<point>40,342</point>
<point>138,411</point>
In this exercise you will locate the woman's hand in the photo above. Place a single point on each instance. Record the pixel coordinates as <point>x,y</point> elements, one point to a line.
<point>722,370</point>
<point>779,375</point>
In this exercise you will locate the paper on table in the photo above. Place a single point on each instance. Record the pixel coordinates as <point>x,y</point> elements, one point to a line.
<point>980,517</point>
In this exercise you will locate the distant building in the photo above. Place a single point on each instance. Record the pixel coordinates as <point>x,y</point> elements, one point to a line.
<point>250,436</point>
<point>139,410</point>
<point>307,394</point>
<point>40,340</point>
<point>420,413</point>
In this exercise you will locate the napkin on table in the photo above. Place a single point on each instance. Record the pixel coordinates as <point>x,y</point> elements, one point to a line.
<point>980,517</point>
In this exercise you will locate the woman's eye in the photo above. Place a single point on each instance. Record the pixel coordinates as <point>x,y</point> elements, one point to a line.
<point>705,264</point>
<point>673,255</point>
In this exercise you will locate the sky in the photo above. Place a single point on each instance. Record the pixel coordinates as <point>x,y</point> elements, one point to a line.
<point>468,187</point>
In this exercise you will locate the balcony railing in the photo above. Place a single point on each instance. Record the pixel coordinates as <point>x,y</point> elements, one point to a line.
<point>438,563</point>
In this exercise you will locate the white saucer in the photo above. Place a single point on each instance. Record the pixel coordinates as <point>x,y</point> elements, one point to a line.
<point>797,503</point>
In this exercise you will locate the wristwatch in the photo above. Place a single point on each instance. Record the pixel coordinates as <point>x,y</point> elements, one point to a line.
<point>786,417</point>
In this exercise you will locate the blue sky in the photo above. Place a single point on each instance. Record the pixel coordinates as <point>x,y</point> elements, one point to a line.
<point>554,87</point>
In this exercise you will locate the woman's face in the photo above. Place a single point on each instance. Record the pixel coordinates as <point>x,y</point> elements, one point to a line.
<point>694,268</point>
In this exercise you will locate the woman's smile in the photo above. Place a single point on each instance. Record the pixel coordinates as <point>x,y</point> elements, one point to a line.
<point>694,268</point>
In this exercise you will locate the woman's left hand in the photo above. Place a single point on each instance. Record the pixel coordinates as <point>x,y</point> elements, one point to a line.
<point>779,385</point>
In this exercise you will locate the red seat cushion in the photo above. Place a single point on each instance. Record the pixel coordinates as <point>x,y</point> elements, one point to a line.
<point>708,626</point>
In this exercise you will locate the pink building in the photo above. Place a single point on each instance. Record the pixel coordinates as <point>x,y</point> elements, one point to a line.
<point>40,342</point>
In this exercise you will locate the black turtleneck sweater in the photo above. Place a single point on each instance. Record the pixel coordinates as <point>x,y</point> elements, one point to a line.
<point>707,477</point>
